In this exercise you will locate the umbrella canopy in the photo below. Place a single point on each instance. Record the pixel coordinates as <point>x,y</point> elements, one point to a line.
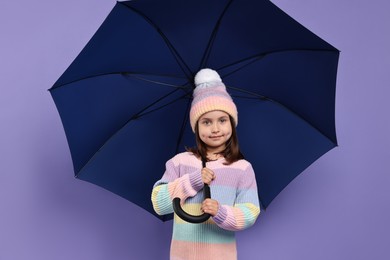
<point>124,101</point>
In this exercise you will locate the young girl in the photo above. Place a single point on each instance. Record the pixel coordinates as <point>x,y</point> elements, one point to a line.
<point>234,203</point>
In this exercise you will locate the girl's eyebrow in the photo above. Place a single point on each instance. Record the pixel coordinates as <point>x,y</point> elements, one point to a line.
<point>223,117</point>
<point>210,119</point>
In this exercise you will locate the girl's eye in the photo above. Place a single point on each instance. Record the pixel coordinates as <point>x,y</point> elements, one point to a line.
<point>223,120</point>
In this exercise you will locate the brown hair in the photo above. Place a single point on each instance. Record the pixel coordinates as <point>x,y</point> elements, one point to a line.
<point>231,153</point>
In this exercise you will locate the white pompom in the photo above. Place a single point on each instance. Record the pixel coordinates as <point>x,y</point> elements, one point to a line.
<point>207,75</point>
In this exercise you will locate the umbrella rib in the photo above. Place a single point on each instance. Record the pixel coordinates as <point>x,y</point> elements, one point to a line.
<point>138,115</point>
<point>265,98</point>
<point>180,61</point>
<point>155,82</point>
<point>185,120</point>
<point>260,56</point>
<point>127,74</point>
<point>135,116</point>
<point>256,95</point>
<point>210,44</point>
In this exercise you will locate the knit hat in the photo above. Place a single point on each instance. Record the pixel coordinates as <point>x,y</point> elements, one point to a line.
<point>210,94</point>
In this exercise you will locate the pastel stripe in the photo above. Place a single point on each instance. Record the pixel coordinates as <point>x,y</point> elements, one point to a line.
<point>202,233</point>
<point>249,213</point>
<point>184,250</point>
<point>181,188</point>
<point>162,203</point>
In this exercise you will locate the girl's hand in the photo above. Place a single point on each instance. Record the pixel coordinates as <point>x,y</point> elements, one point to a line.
<point>210,206</point>
<point>207,175</point>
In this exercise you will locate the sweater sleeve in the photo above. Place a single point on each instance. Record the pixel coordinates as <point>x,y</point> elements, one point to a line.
<point>245,210</point>
<point>171,185</point>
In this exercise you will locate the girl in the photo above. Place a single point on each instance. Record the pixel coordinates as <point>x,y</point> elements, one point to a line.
<point>234,203</point>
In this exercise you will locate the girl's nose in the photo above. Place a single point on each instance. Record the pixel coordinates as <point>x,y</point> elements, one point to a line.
<point>215,128</point>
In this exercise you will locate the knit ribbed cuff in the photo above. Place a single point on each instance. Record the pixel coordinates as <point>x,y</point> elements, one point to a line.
<point>196,181</point>
<point>221,215</point>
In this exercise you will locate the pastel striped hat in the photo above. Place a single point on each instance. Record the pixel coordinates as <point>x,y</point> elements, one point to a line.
<point>210,94</point>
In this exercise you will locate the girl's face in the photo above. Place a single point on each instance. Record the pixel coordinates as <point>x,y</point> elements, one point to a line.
<point>215,130</point>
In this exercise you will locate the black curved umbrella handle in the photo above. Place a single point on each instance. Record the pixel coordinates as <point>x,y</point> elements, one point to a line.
<point>188,217</point>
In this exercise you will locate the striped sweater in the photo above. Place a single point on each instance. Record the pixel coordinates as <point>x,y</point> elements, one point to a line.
<point>235,190</point>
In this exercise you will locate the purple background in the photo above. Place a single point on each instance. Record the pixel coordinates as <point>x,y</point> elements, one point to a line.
<point>339,208</point>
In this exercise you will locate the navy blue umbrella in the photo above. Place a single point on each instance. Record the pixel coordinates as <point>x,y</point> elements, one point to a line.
<point>124,101</point>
